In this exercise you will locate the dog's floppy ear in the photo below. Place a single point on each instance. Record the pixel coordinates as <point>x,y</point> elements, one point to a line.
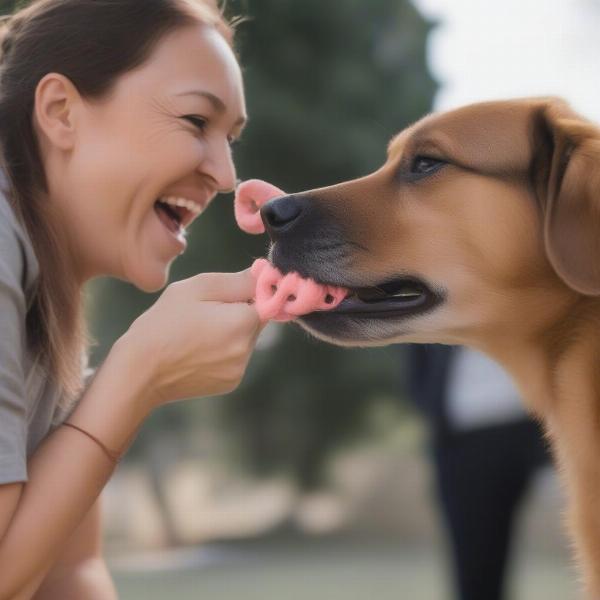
<point>566,172</point>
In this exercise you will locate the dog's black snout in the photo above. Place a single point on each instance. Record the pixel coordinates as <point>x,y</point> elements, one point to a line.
<point>281,214</point>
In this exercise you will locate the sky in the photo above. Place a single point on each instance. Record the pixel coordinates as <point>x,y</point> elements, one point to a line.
<point>484,50</point>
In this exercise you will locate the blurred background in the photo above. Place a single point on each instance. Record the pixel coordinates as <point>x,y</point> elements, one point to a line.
<point>313,478</point>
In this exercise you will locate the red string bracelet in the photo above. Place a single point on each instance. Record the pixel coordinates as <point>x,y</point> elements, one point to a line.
<point>114,457</point>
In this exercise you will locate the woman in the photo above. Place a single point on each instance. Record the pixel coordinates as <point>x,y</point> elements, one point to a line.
<point>116,120</point>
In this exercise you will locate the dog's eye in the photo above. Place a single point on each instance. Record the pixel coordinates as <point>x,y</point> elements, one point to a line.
<point>425,165</point>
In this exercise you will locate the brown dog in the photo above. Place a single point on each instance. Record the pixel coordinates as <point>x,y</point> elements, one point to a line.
<point>482,228</point>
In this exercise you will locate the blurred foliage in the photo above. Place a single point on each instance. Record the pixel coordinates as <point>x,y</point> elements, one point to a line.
<point>327,85</point>
<point>8,6</point>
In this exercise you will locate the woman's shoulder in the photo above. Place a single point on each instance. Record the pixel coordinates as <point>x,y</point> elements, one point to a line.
<point>17,256</point>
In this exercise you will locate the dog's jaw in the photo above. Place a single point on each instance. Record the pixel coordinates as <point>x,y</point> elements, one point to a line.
<point>371,329</point>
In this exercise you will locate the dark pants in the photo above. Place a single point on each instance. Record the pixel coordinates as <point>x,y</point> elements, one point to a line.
<point>482,477</point>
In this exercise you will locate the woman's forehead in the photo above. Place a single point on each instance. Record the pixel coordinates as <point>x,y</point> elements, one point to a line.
<point>191,59</point>
<point>196,52</point>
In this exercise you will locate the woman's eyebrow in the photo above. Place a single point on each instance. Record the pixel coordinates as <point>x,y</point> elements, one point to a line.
<point>217,103</point>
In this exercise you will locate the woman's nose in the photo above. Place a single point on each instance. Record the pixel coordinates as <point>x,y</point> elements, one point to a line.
<point>219,165</point>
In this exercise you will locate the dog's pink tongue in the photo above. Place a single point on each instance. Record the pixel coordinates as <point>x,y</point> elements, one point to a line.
<point>278,297</point>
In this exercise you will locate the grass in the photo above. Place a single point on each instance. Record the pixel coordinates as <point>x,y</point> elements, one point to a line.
<point>333,569</point>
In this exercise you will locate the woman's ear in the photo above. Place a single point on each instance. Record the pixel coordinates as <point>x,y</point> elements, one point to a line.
<point>567,173</point>
<point>56,100</point>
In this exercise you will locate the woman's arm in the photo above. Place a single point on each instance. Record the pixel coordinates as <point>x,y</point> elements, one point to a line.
<point>196,340</point>
<point>66,476</point>
<point>80,571</point>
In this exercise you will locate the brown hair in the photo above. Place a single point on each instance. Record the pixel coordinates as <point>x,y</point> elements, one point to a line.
<point>91,42</point>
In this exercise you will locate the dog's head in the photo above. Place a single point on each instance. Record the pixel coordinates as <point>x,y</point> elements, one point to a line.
<point>485,218</point>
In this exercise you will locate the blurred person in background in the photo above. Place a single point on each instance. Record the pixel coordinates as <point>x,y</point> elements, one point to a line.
<point>485,452</point>
<point>116,120</point>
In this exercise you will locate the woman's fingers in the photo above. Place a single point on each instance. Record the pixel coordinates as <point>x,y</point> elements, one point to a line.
<point>221,287</point>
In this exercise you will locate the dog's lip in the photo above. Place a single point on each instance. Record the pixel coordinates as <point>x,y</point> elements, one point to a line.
<point>390,298</point>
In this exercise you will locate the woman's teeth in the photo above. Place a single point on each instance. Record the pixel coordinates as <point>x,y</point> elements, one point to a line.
<point>184,202</point>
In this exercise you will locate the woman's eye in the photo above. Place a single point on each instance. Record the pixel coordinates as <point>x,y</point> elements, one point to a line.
<point>198,122</point>
<point>425,165</point>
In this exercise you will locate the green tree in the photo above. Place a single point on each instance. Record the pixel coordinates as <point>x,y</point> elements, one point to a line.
<point>8,6</point>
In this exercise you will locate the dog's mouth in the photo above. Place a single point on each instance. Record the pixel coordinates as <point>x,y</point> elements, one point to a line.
<point>369,314</point>
<point>376,314</point>
<point>397,297</point>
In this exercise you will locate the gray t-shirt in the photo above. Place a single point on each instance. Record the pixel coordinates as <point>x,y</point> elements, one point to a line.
<point>29,400</point>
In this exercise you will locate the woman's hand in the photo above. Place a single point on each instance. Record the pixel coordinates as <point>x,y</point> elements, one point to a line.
<point>197,338</point>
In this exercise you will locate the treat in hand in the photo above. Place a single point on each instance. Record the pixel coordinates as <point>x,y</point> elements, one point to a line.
<point>278,297</point>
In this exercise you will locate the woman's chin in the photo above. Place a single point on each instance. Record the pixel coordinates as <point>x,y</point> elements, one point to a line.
<point>151,288</point>
<point>150,280</point>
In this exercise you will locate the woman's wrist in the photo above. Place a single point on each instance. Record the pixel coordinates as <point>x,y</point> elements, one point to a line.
<point>138,365</point>
<point>118,399</point>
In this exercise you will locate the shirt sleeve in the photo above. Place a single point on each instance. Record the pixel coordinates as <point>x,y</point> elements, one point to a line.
<point>13,403</point>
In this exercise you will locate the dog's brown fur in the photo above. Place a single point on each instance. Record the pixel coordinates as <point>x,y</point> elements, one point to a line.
<point>509,232</point>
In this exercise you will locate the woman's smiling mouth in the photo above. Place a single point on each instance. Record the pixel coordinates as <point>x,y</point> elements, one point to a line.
<point>176,213</point>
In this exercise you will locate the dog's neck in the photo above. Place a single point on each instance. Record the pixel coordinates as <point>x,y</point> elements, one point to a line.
<point>529,369</point>
<point>561,361</point>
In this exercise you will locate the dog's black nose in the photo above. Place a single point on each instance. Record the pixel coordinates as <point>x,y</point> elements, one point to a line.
<point>282,214</point>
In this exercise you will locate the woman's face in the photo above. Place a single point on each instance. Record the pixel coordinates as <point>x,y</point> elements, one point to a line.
<point>163,132</point>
